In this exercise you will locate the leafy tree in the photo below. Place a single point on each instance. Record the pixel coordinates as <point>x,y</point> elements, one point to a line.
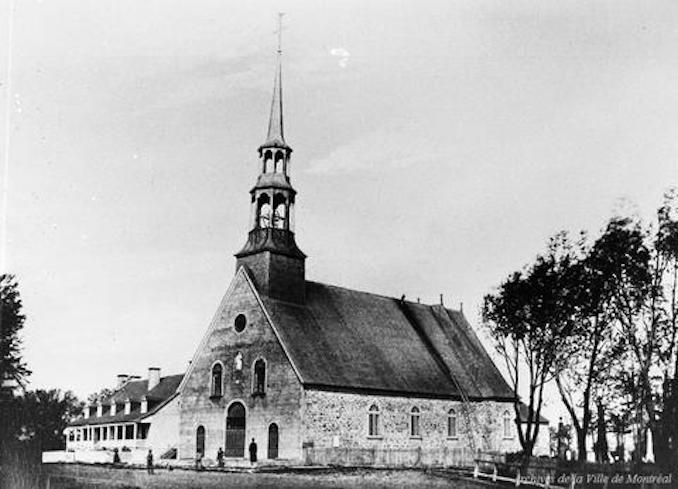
<point>45,414</point>
<point>644,305</point>
<point>581,371</point>
<point>99,396</point>
<point>12,366</point>
<point>530,318</point>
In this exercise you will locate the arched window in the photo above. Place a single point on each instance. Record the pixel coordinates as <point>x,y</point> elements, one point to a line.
<point>451,424</point>
<point>414,422</point>
<point>237,362</point>
<point>267,157</point>
<point>273,441</point>
<point>507,425</point>
<point>264,211</point>
<point>279,211</point>
<point>217,376</point>
<point>373,420</point>
<point>259,386</point>
<point>279,158</point>
<point>200,440</point>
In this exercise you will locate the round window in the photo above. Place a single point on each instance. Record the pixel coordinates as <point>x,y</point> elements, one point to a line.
<point>240,322</point>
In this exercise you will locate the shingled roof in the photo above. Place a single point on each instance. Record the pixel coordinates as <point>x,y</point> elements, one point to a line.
<point>135,391</point>
<point>343,339</point>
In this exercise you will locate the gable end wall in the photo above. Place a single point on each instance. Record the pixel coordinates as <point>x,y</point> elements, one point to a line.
<point>280,405</point>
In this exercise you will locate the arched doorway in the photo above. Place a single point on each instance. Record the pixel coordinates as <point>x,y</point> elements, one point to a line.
<point>273,441</point>
<point>235,430</point>
<point>200,440</point>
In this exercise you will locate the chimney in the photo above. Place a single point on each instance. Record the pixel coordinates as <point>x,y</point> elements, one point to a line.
<point>122,378</point>
<point>153,377</point>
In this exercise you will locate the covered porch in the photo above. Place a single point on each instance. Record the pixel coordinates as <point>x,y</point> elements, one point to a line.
<point>107,436</point>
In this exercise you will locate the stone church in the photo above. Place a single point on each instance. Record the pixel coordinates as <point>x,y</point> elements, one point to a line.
<point>299,365</point>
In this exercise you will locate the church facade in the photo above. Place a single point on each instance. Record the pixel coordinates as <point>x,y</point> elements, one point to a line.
<point>304,367</point>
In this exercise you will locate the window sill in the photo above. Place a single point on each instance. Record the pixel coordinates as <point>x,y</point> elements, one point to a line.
<point>453,438</point>
<point>258,394</point>
<point>509,438</point>
<point>416,437</point>
<point>215,397</point>
<point>375,437</point>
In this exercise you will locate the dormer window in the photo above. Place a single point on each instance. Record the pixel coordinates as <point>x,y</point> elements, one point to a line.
<point>114,408</point>
<point>128,406</point>
<point>100,409</point>
<point>217,380</point>
<point>144,405</point>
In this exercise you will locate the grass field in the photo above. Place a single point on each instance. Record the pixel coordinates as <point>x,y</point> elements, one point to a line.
<point>80,477</point>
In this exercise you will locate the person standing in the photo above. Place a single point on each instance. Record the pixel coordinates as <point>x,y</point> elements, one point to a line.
<point>253,451</point>
<point>149,462</point>
<point>220,458</point>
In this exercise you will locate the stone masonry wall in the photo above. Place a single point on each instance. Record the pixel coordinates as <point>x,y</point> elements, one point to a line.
<point>280,405</point>
<point>328,415</point>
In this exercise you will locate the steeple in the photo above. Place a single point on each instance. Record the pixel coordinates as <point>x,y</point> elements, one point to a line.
<point>271,254</point>
<point>276,134</point>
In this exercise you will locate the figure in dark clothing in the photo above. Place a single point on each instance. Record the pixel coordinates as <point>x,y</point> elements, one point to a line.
<point>149,462</point>
<point>116,456</point>
<point>198,461</point>
<point>220,457</point>
<point>253,451</point>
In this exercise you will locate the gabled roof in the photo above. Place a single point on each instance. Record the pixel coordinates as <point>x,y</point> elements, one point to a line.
<point>165,388</point>
<point>135,391</point>
<point>343,339</point>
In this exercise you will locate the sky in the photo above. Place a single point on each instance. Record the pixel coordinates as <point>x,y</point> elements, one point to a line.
<point>437,146</point>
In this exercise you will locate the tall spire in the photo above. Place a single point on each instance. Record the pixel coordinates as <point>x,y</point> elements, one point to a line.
<point>271,254</point>
<point>275,136</point>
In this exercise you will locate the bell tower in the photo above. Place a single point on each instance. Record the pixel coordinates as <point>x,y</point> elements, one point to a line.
<point>271,254</point>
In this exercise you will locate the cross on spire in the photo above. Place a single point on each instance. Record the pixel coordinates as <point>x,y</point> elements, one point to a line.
<point>280,16</point>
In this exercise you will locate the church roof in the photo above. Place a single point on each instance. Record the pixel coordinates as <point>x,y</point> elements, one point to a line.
<point>343,339</point>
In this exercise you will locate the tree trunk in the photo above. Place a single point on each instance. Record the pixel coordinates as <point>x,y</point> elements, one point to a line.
<point>581,445</point>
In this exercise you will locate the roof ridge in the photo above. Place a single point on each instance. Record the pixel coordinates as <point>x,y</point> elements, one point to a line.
<point>375,294</point>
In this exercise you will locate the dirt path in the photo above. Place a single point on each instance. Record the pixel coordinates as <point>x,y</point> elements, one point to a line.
<point>89,477</point>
